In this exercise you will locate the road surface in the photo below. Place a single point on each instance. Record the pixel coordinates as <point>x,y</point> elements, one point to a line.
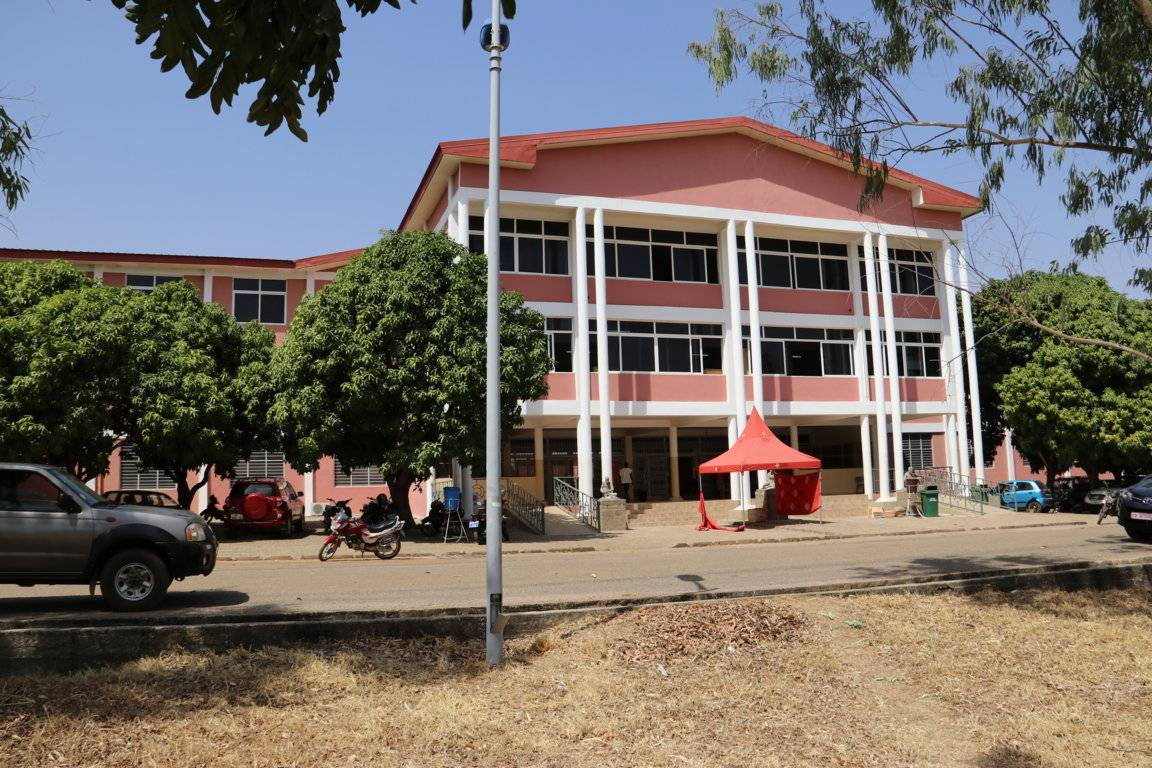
<point>239,588</point>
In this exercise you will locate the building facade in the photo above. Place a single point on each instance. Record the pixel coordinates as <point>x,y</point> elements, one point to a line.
<point>687,273</point>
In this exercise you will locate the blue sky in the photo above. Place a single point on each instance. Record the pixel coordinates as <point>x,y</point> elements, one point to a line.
<point>124,162</point>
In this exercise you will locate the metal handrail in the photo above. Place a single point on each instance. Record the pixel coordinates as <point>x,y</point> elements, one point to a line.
<point>580,505</point>
<point>518,503</point>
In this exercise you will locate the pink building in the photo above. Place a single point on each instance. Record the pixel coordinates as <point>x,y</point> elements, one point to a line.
<point>688,272</point>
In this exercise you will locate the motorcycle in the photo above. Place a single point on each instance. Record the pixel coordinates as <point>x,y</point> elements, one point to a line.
<point>333,509</point>
<point>381,539</point>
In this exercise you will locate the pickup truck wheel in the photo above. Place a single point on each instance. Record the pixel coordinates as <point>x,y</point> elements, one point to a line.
<point>1034,506</point>
<point>134,580</point>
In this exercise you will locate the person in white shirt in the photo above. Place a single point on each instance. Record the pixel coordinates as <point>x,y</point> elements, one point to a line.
<point>626,482</point>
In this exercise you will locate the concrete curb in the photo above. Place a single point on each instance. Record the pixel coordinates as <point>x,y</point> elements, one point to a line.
<point>59,645</point>
<point>479,551</point>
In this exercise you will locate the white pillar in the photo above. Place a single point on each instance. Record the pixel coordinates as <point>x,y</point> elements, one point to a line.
<point>735,348</point>
<point>1010,454</point>
<point>309,491</point>
<point>866,454</point>
<point>202,494</point>
<point>582,359</point>
<point>462,226</point>
<point>607,482</point>
<point>955,373</point>
<point>885,490</point>
<point>750,265</point>
<point>208,280</point>
<point>973,379</point>
<point>895,404</point>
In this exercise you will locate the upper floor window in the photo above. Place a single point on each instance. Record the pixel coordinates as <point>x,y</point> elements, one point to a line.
<point>797,264</point>
<point>662,347</point>
<point>559,332</point>
<point>912,273</point>
<point>656,254</point>
<point>148,283</point>
<point>917,353</point>
<point>804,351</point>
<point>261,300</point>
<point>529,246</point>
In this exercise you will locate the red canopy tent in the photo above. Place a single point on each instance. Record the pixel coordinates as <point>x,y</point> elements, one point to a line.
<point>758,448</point>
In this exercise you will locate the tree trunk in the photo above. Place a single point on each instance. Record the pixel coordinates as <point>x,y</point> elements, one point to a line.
<point>399,483</point>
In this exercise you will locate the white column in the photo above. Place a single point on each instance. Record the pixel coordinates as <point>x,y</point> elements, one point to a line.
<point>973,379</point>
<point>885,490</point>
<point>956,369</point>
<point>750,265</point>
<point>736,346</point>
<point>202,494</point>
<point>894,401</point>
<point>208,280</point>
<point>309,491</point>
<point>582,358</point>
<point>607,482</point>
<point>462,226</point>
<point>866,454</point>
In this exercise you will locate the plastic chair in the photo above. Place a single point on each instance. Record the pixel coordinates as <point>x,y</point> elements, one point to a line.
<point>453,515</point>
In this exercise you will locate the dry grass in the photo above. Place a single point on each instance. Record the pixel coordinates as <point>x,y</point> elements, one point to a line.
<point>1024,680</point>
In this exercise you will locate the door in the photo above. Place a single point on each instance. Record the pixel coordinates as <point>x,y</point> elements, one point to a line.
<point>37,536</point>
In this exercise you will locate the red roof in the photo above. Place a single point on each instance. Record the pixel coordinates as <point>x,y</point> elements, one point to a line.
<point>756,449</point>
<point>521,151</point>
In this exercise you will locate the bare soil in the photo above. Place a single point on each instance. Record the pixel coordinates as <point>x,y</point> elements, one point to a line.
<point>1030,679</point>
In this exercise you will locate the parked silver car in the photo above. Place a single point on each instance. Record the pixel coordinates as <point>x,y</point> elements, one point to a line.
<point>55,530</point>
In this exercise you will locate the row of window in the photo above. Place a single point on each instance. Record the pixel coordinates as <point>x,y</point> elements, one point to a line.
<point>652,347</point>
<point>134,476</point>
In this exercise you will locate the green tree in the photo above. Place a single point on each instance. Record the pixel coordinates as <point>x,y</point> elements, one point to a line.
<point>386,366</point>
<point>63,363</point>
<point>199,391</point>
<point>1066,402</point>
<point>1030,81</point>
<point>286,48</point>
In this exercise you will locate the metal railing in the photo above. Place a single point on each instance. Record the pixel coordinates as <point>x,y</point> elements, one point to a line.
<point>518,503</point>
<point>956,490</point>
<point>580,505</point>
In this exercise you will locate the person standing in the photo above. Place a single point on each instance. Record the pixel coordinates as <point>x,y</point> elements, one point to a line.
<point>626,482</point>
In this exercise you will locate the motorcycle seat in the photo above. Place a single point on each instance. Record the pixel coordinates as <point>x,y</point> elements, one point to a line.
<point>386,523</point>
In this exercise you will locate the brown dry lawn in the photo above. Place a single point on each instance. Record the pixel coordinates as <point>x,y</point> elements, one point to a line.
<point>1028,679</point>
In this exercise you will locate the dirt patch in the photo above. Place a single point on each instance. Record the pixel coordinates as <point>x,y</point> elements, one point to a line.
<point>1023,680</point>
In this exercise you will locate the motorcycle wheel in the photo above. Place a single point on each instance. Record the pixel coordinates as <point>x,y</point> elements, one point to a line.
<point>328,550</point>
<point>387,551</point>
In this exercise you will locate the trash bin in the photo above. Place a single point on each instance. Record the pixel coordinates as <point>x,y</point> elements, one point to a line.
<point>930,501</point>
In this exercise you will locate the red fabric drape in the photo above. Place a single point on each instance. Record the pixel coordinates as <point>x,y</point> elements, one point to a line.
<point>797,494</point>
<point>708,524</point>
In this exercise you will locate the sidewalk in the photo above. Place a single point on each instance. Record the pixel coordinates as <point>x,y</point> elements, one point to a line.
<point>568,535</point>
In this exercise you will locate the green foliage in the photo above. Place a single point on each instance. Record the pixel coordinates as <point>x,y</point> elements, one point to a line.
<point>63,353</point>
<point>386,365</point>
<point>15,144</point>
<point>199,389</point>
<point>284,46</point>
<point>1066,402</point>
<point>1027,85</point>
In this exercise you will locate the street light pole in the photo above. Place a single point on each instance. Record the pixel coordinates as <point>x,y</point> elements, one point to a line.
<point>494,43</point>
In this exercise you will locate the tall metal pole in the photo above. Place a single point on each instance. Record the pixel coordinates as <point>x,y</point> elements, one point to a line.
<point>495,567</point>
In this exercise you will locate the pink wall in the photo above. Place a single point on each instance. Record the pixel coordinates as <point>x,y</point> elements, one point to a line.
<point>723,170</point>
<point>664,387</point>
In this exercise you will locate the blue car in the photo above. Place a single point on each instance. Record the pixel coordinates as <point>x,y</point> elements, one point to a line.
<point>1135,510</point>
<point>1027,495</point>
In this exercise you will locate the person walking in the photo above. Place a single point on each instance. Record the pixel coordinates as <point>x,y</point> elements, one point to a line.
<point>626,482</point>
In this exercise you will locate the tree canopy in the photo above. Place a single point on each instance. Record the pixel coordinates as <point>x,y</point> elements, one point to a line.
<point>386,365</point>
<point>1065,402</point>
<point>289,49</point>
<point>1032,82</point>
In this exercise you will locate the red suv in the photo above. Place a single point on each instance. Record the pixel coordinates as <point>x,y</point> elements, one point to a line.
<point>261,504</point>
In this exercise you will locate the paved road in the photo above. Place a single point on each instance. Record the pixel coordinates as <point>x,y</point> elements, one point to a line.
<point>259,587</point>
